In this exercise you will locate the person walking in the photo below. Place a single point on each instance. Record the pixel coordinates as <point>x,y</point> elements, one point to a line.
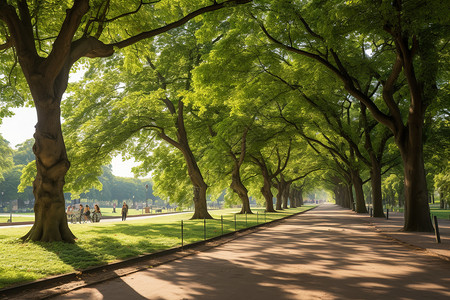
<point>124,211</point>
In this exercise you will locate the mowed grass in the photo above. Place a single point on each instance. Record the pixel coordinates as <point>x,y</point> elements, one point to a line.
<point>102,243</point>
<point>441,213</point>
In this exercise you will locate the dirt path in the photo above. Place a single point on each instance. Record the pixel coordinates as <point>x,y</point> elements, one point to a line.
<point>327,253</point>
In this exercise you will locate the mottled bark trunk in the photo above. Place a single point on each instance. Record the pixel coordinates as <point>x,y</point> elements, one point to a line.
<point>52,165</point>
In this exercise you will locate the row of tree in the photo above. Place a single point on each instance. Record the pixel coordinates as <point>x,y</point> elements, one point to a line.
<point>260,96</point>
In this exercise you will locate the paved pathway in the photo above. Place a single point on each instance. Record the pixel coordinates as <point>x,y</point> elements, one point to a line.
<point>327,253</point>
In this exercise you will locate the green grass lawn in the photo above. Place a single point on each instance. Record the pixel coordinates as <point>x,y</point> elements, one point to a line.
<point>102,243</point>
<point>440,213</point>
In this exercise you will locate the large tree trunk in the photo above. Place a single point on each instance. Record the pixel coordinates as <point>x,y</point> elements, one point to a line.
<point>238,187</point>
<point>279,200</point>
<point>200,207</point>
<point>285,192</point>
<point>287,196</point>
<point>350,203</point>
<point>200,187</point>
<point>417,210</point>
<point>357,184</point>
<point>375,181</point>
<point>52,165</point>
<point>300,198</point>
<point>268,196</point>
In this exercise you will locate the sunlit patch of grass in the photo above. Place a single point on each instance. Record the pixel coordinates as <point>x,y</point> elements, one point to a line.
<point>440,213</point>
<point>4,219</point>
<point>102,243</point>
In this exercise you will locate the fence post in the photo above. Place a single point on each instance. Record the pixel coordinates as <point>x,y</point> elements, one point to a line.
<point>221,220</point>
<point>387,213</point>
<point>265,217</point>
<point>436,230</point>
<point>204,229</point>
<point>234,222</point>
<point>246,220</point>
<point>182,236</point>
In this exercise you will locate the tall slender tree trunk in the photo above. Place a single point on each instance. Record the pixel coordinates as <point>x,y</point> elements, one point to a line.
<point>284,190</point>
<point>279,197</point>
<point>375,181</point>
<point>300,198</point>
<point>195,175</point>
<point>360,204</point>
<point>288,196</point>
<point>285,197</point>
<point>350,201</point>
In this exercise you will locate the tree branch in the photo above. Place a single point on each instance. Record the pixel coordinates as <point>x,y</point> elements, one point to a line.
<point>62,45</point>
<point>154,32</point>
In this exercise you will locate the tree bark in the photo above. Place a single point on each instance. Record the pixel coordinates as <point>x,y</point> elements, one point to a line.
<point>375,181</point>
<point>238,187</point>
<point>288,196</point>
<point>199,185</point>
<point>360,204</point>
<point>200,207</point>
<point>300,198</point>
<point>278,203</point>
<point>417,210</point>
<point>268,196</point>
<point>285,196</point>
<point>51,164</point>
<point>350,201</point>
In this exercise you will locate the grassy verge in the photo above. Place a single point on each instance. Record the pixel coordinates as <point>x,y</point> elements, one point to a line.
<point>440,213</point>
<point>102,243</point>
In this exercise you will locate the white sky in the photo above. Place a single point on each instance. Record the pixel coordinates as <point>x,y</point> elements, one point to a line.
<point>20,127</point>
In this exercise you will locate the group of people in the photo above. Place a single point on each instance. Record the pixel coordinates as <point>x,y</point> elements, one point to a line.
<point>83,214</point>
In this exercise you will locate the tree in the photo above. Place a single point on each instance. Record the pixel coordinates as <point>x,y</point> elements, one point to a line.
<point>46,50</point>
<point>6,160</point>
<point>407,38</point>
